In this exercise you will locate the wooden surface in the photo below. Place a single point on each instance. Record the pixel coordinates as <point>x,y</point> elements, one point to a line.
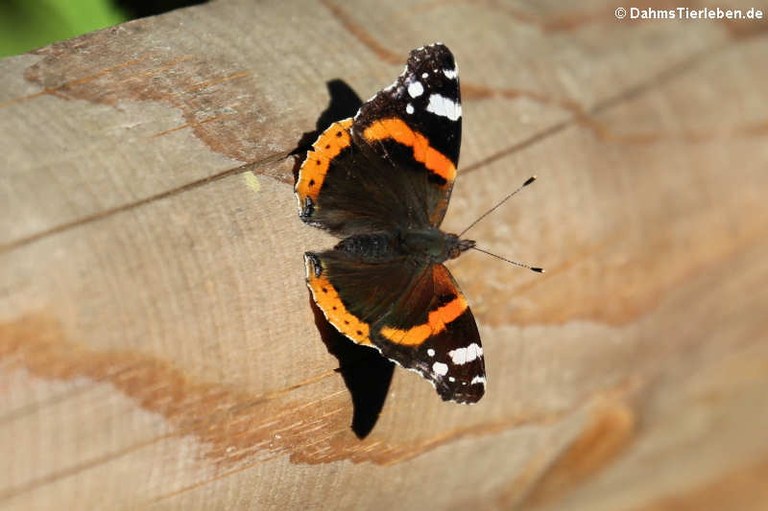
<point>158,349</point>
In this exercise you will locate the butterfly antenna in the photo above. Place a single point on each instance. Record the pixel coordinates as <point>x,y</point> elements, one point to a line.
<point>510,261</point>
<point>502,201</point>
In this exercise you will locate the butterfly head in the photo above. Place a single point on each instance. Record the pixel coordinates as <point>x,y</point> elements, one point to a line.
<point>455,246</point>
<point>432,244</point>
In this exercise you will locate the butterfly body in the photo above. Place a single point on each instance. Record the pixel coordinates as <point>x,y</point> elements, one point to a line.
<point>381,181</point>
<point>420,247</point>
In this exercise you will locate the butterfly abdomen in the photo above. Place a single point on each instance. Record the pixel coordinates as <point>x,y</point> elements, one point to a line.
<point>369,247</point>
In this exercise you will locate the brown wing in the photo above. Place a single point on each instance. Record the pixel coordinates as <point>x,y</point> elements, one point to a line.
<point>416,316</point>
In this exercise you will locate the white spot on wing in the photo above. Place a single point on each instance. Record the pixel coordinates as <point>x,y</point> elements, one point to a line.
<point>444,107</point>
<point>409,108</point>
<point>463,355</point>
<point>451,74</point>
<point>440,369</point>
<point>459,356</point>
<point>431,352</point>
<point>478,379</point>
<point>415,89</point>
<point>425,75</point>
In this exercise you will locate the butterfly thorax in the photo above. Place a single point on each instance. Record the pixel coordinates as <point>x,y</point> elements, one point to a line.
<point>424,245</point>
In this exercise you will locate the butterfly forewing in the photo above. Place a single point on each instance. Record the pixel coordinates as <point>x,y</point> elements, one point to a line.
<point>415,123</point>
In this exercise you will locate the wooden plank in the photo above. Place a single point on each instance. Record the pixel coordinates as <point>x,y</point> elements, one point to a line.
<point>158,347</point>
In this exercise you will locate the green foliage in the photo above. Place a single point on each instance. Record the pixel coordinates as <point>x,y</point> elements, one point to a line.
<point>29,24</point>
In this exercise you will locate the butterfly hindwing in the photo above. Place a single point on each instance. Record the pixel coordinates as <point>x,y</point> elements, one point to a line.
<point>440,341</point>
<point>354,294</point>
<point>416,317</point>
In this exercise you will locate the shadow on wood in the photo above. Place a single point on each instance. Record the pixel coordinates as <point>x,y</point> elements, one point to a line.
<point>366,373</point>
<point>344,103</point>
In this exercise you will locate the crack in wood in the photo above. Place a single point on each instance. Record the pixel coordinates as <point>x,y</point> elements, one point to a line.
<point>542,135</point>
<point>101,215</point>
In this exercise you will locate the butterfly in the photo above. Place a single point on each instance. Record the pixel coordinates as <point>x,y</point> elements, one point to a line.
<point>381,181</point>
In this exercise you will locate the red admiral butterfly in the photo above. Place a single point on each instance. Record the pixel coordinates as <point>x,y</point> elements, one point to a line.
<point>382,181</point>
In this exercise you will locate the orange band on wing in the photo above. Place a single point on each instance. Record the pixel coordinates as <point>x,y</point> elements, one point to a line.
<point>330,303</point>
<point>400,132</point>
<point>312,173</point>
<point>436,323</point>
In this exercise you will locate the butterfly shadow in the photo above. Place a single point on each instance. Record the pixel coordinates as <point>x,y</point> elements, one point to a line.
<point>344,103</point>
<point>366,374</point>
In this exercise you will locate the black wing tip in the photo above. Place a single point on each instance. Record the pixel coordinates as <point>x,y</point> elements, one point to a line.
<point>436,50</point>
<point>466,397</point>
<point>437,45</point>
<point>462,392</point>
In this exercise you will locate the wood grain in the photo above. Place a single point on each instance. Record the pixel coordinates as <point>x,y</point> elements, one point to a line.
<point>157,345</point>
